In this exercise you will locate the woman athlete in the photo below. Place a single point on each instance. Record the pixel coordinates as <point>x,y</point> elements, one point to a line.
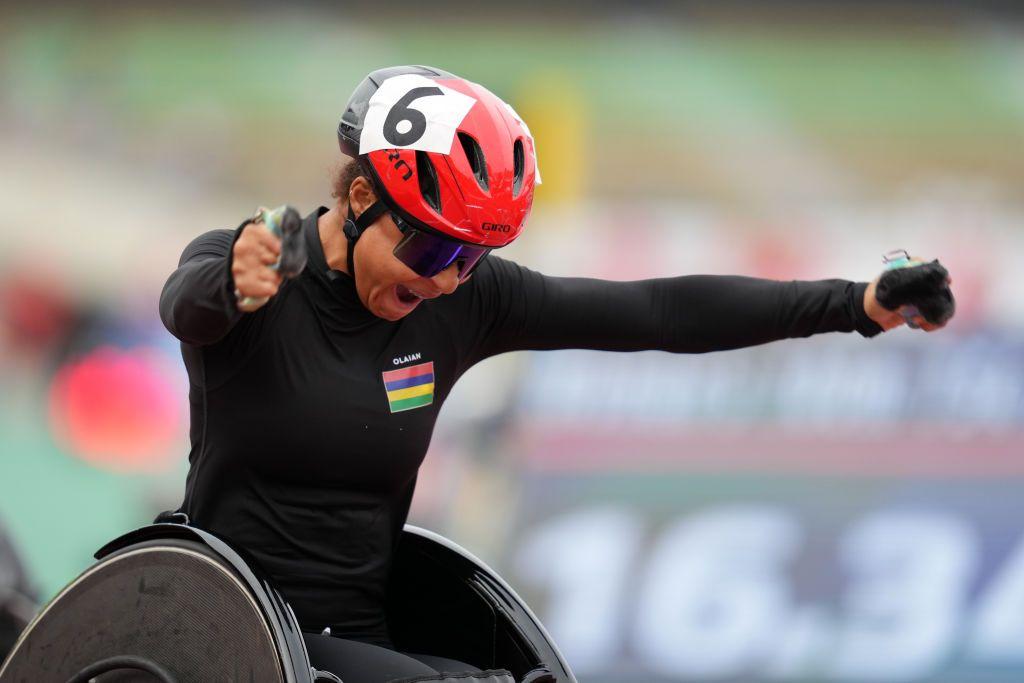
<point>313,398</point>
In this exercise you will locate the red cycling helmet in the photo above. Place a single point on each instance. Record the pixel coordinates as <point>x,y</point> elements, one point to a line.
<point>446,156</point>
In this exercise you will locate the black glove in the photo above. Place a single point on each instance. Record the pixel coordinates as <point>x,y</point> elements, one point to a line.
<point>924,286</point>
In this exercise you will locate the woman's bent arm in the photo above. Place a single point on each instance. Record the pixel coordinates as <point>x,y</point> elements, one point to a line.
<point>198,304</point>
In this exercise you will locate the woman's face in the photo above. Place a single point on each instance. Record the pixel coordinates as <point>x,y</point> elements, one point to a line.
<point>387,287</point>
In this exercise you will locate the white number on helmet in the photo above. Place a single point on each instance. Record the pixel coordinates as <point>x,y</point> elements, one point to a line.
<point>413,112</point>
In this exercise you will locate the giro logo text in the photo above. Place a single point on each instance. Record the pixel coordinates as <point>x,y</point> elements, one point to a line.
<point>496,227</point>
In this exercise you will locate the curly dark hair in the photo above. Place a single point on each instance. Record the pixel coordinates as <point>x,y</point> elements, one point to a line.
<point>344,175</point>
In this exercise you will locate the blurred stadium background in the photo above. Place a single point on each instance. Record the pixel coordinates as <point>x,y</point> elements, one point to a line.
<point>831,509</point>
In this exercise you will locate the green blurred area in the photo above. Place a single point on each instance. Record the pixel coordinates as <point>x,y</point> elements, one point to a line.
<point>59,508</point>
<point>888,104</point>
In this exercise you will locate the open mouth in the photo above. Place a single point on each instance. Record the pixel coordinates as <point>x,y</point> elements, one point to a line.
<point>406,295</point>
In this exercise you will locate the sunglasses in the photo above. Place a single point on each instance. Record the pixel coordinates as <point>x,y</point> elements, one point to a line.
<point>428,254</point>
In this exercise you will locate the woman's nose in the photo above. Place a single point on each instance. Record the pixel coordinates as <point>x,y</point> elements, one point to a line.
<point>448,279</point>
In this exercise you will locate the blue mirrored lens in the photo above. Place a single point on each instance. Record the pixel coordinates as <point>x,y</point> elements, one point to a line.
<point>428,254</point>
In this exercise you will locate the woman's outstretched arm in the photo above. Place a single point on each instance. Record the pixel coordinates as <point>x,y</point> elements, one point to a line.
<point>522,309</point>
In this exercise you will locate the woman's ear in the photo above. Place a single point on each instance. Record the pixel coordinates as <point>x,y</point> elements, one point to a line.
<point>361,195</point>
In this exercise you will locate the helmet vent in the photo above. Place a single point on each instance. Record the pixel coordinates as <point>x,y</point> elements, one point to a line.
<point>475,155</point>
<point>427,176</point>
<point>518,166</point>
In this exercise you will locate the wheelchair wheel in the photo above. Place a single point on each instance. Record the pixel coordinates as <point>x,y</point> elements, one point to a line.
<point>158,610</point>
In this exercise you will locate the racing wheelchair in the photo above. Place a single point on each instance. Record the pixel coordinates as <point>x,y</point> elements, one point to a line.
<point>172,603</point>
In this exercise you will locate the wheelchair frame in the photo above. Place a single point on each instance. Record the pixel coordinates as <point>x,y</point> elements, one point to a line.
<point>501,630</point>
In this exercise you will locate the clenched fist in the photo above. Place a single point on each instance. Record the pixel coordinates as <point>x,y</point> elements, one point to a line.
<point>256,250</point>
<point>919,292</point>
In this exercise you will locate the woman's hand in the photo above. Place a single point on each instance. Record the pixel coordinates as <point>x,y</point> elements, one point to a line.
<point>922,287</point>
<point>255,251</point>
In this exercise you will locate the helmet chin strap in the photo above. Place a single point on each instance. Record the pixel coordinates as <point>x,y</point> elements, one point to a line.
<point>355,226</point>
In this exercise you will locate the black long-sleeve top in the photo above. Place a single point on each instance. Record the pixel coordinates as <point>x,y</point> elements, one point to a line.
<point>310,417</point>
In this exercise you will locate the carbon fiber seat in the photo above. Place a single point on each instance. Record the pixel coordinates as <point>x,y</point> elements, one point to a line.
<point>170,602</point>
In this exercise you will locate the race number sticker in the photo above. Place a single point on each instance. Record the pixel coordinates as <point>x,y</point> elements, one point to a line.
<point>413,112</point>
<point>536,166</point>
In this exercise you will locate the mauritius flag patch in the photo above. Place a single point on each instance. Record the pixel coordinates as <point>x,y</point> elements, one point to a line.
<point>411,387</point>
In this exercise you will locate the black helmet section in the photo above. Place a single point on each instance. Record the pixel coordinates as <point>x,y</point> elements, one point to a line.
<point>518,167</point>
<point>351,125</point>
<point>477,161</point>
<point>427,175</point>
